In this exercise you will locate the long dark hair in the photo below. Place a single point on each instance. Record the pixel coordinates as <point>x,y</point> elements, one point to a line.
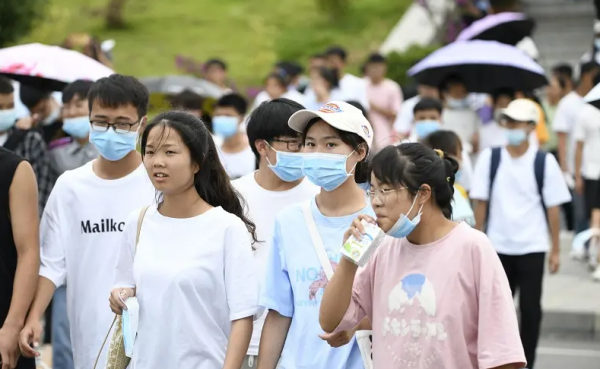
<point>211,182</point>
<point>412,165</point>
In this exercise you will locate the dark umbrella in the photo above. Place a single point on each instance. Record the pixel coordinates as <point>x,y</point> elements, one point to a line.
<point>507,28</point>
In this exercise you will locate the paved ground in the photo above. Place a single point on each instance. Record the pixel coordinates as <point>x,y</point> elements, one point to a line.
<point>571,299</point>
<point>568,352</point>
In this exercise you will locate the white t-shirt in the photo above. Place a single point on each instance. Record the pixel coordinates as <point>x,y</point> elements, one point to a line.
<point>404,120</point>
<point>464,122</point>
<point>263,207</point>
<point>291,94</point>
<point>564,121</point>
<point>80,235</point>
<point>238,164</point>
<point>587,130</point>
<point>517,224</point>
<point>193,277</point>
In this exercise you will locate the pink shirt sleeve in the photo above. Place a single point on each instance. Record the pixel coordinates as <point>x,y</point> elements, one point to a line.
<point>396,98</point>
<point>361,303</point>
<point>498,340</point>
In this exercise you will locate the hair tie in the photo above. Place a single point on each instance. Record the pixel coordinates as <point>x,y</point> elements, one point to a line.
<point>439,152</point>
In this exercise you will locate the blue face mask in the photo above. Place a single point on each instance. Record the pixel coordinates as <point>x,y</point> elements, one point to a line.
<point>77,127</point>
<point>515,137</point>
<point>365,186</point>
<point>130,324</point>
<point>225,126</point>
<point>113,146</point>
<point>289,165</point>
<point>404,226</point>
<point>457,103</point>
<point>8,118</point>
<point>327,171</point>
<point>424,128</point>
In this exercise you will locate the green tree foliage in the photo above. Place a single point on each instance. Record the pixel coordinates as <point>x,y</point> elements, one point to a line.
<point>399,64</point>
<point>17,17</point>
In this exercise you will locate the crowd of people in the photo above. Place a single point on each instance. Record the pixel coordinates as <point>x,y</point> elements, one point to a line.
<point>226,225</point>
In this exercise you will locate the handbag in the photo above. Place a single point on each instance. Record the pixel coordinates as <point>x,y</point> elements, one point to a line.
<point>363,338</point>
<point>116,358</point>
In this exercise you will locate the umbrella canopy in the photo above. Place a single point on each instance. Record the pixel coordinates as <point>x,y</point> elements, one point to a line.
<point>484,66</point>
<point>507,28</point>
<point>173,84</point>
<point>593,97</point>
<point>49,67</point>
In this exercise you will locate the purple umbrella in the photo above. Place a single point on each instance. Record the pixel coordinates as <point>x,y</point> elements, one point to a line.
<point>484,66</point>
<point>507,28</point>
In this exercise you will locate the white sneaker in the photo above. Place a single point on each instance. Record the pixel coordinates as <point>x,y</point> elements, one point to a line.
<point>596,274</point>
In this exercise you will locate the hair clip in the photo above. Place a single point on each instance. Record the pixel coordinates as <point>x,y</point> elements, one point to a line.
<point>439,152</point>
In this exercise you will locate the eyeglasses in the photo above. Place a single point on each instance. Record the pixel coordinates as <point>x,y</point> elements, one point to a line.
<point>380,194</point>
<point>119,127</point>
<point>292,145</point>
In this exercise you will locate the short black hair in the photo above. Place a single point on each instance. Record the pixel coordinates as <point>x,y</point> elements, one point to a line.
<point>564,70</point>
<point>187,99</point>
<point>218,62</point>
<point>447,141</point>
<point>79,88</point>
<point>235,101</point>
<point>359,106</point>
<point>291,69</point>
<point>337,51</point>
<point>375,58</point>
<point>588,67</point>
<point>118,90</point>
<point>428,103</point>
<point>31,96</point>
<point>451,80</point>
<point>283,81</point>
<point>6,86</point>
<point>330,75</point>
<point>270,120</point>
<point>505,91</point>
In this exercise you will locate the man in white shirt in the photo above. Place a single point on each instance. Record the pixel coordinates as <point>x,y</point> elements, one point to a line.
<point>84,219</point>
<point>276,184</point>
<point>564,121</point>
<point>459,114</point>
<point>404,120</point>
<point>353,88</point>
<point>518,192</point>
<point>587,172</point>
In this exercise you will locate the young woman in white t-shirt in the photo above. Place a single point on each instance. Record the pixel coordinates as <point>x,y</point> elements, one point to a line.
<point>191,270</point>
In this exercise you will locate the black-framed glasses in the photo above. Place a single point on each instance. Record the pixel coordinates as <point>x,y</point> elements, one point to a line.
<point>119,127</point>
<point>291,145</point>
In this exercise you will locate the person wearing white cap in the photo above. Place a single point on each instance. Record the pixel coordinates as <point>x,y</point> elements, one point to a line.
<point>518,191</point>
<point>306,242</point>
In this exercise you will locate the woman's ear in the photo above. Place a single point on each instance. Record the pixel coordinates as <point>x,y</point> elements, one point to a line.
<point>424,194</point>
<point>362,151</point>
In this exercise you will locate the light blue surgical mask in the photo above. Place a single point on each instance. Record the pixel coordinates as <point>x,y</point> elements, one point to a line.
<point>77,127</point>
<point>365,186</point>
<point>457,103</point>
<point>404,226</point>
<point>289,165</point>
<point>130,324</point>
<point>424,128</point>
<point>327,171</point>
<point>225,126</point>
<point>515,137</point>
<point>113,146</point>
<point>52,117</point>
<point>8,118</point>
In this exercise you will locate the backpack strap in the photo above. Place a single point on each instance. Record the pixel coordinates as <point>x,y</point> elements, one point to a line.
<point>494,164</point>
<point>539,168</point>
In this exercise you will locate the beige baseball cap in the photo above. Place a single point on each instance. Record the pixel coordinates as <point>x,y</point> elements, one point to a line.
<point>522,110</point>
<point>337,114</point>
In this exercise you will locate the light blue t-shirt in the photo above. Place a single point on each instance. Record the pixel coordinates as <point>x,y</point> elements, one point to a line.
<point>294,287</point>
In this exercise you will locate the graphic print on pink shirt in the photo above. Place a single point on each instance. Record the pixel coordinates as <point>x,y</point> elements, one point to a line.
<point>319,283</point>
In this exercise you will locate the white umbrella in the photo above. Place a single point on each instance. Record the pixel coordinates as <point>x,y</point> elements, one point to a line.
<point>49,67</point>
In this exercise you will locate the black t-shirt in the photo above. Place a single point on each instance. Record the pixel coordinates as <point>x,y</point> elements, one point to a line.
<point>8,251</point>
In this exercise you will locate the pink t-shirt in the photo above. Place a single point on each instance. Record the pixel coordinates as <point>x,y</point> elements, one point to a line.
<point>443,305</point>
<point>385,95</point>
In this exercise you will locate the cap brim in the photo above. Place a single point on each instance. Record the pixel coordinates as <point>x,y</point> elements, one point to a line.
<point>516,117</point>
<point>300,119</point>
